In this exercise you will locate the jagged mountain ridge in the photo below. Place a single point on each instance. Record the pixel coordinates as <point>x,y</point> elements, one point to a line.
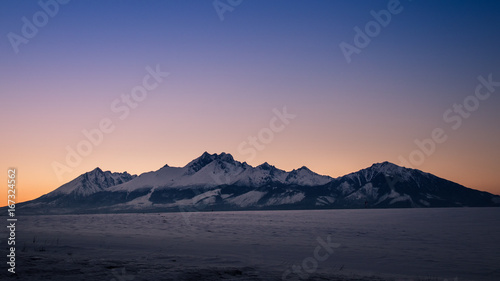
<point>210,170</point>
<point>92,182</point>
<point>218,182</point>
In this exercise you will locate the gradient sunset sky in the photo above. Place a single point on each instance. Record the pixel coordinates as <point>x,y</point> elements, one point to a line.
<point>229,71</point>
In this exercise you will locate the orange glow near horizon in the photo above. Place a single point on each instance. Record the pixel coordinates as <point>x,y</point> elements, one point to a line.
<point>36,180</point>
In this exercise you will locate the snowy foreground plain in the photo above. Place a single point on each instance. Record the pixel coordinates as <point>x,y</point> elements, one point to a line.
<point>383,244</point>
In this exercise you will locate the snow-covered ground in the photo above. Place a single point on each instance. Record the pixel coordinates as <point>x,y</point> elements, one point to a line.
<point>391,244</point>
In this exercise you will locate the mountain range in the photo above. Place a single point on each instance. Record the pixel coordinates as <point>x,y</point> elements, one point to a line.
<point>218,182</point>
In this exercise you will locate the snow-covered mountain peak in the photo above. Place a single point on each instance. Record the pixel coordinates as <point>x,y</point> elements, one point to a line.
<point>200,162</point>
<point>304,168</point>
<point>304,176</point>
<point>402,173</point>
<point>226,157</point>
<point>303,171</point>
<point>91,182</point>
<point>97,172</point>
<point>385,168</point>
<point>205,159</point>
<point>265,166</point>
